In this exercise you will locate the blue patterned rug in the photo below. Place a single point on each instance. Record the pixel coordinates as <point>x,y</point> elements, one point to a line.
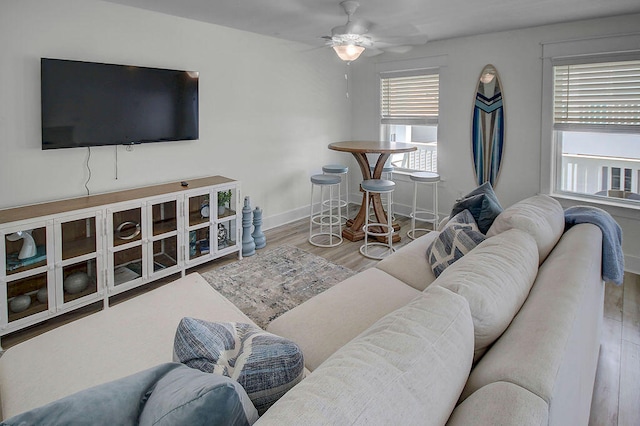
<point>273,281</point>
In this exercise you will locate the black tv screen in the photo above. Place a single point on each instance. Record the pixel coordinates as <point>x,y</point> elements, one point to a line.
<point>91,104</point>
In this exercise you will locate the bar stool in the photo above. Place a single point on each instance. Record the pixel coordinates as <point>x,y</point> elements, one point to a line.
<point>427,216</point>
<point>377,186</point>
<point>340,170</point>
<point>387,173</point>
<point>325,217</point>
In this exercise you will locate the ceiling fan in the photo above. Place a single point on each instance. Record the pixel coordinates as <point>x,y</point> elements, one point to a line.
<point>351,39</point>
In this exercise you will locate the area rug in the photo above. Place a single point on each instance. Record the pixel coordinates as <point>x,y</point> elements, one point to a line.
<point>273,281</point>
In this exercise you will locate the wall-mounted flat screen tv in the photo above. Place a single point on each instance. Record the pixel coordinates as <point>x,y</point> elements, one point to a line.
<point>91,104</point>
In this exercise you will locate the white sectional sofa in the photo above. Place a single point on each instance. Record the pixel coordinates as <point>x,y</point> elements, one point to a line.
<point>509,334</point>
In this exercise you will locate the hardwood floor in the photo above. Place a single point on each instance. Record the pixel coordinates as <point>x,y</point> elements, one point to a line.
<point>616,395</point>
<point>616,399</point>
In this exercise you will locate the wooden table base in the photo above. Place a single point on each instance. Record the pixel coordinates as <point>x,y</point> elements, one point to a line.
<point>360,149</point>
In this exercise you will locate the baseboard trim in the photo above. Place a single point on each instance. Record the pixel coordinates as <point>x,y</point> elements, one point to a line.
<point>284,218</point>
<point>632,264</point>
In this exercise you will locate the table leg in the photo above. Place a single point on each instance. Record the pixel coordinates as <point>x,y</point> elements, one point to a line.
<point>353,229</point>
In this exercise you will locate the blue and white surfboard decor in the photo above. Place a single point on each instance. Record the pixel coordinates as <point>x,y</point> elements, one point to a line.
<point>488,127</point>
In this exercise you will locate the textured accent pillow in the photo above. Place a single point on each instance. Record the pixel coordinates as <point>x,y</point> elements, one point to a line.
<point>266,365</point>
<point>483,205</point>
<point>458,238</point>
<point>186,396</point>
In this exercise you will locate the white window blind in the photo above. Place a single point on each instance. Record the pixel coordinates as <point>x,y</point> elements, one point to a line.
<point>411,99</point>
<point>597,96</point>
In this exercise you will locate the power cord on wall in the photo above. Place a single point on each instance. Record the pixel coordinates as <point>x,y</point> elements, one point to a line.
<point>86,184</point>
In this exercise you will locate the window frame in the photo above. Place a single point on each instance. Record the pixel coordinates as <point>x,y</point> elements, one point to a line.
<point>424,65</point>
<point>594,49</point>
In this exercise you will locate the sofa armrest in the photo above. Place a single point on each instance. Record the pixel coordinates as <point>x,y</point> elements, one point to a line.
<point>501,403</point>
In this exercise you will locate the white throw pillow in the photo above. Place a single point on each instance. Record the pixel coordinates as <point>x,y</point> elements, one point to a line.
<point>540,216</point>
<point>495,278</point>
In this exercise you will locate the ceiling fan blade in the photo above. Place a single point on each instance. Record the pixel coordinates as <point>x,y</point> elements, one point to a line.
<point>398,49</point>
<point>372,52</point>
<point>403,30</point>
<point>414,40</point>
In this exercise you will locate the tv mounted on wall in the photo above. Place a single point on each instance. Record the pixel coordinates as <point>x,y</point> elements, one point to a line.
<point>91,104</point>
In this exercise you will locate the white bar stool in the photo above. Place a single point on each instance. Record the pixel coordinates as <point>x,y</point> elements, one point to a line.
<point>325,217</point>
<point>387,173</point>
<point>340,170</point>
<point>427,216</point>
<point>377,186</point>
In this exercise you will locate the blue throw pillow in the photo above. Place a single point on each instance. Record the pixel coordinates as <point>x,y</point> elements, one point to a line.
<point>186,396</point>
<point>124,401</point>
<point>459,237</point>
<point>266,365</point>
<point>483,205</point>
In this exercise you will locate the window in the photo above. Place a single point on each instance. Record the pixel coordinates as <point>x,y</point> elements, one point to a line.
<point>409,103</point>
<point>596,127</point>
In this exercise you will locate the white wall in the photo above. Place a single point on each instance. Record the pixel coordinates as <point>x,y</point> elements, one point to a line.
<point>517,57</point>
<point>268,107</point>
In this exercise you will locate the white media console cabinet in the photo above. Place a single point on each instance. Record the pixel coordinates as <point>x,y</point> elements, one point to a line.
<point>62,255</point>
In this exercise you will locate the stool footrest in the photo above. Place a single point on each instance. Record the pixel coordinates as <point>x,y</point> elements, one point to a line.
<point>364,250</point>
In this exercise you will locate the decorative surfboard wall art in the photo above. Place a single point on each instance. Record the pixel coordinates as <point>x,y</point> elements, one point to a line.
<point>488,127</point>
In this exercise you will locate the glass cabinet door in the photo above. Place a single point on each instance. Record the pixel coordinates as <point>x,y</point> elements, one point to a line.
<point>227,220</point>
<point>200,218</point>
<point>126,264</point>
<point>163,244</point>
<point>226,199</point>
<point>79,270</point>
<point>226,234</point>
<point>26,276</point>
<point>25,249</point>
<point>127,226</point>
<point>27,297</point>
<point>79,280</point>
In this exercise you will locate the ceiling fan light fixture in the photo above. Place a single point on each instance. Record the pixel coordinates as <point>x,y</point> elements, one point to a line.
<point>348,52</point>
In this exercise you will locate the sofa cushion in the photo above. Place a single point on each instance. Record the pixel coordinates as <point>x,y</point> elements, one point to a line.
<point>483,205</point>
<point>408,368</point>
<point>458,238</point>
<point>186,396</point>
<point>329,320</point>
<point>495,278</point>
<point>551,347</point>
<point>124,401</point>
<point>409,264</point>
<point>501,403</point>
<point>540,216</point>
<point>266,365</point>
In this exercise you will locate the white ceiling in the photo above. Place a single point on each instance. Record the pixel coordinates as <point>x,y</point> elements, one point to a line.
<point>306,21</point>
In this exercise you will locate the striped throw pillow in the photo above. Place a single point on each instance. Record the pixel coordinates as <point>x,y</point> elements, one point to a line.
<point>459,237</point>
<point>266,365</point>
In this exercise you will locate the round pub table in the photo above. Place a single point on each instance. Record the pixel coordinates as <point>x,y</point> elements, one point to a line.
<point>353,229</point>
